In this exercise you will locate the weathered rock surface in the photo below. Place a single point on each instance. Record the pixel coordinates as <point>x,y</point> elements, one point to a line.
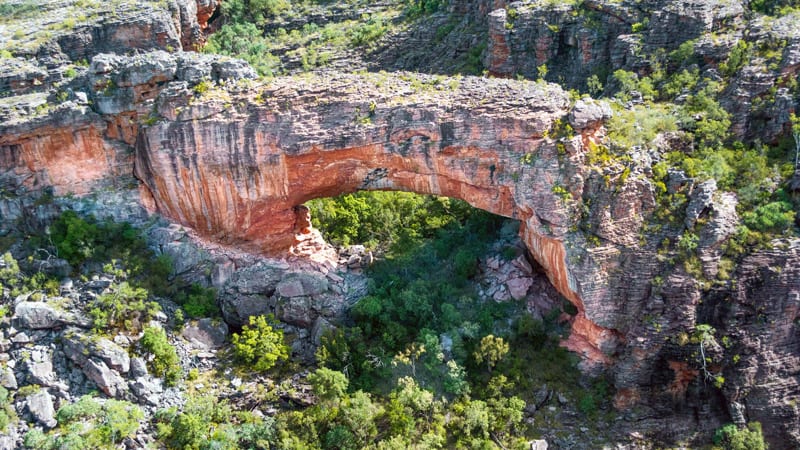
<point>40,406</point>
<point>39,315</point>
<point>100,360</point>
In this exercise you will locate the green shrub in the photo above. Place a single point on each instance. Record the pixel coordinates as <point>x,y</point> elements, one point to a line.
<point>259,346</point>
<point>328,384</point>
<point>417,8</point>
<point>7,414</point>
<point>123,306</point>
<point>165,362</point>
<point>775,217</point>
<point>368,31</point>
<point>75,238</point>
<point>244,40</point>
<point>209,423</point>
<point>9,272</point>
<point>89,424</point>
<point>198,301</point>
<point>730,437</point>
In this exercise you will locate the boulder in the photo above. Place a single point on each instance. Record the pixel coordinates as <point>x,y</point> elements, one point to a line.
<point>7,378</point>
<point>538,444</point>
<point>518,287</point>
<point>701,199</point>
<point>297,311</point>
<point>109,381</point>
<point>138,367</point>
<point>320,328</point>
<point>38,315</point>
<point>589,113</point>
<point>147,389</point>
<point>206,333</point>
<point>79,346</point>
<point>40,406</point>
<point>185,256</point>
<point>40,367</point>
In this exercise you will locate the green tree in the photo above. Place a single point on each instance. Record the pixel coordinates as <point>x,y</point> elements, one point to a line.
<point>9,271</point>
<point>359,413</point>
<point>491,350</point>
<point>259,345</point>
<point>89,424</point>
<point>329,385</point>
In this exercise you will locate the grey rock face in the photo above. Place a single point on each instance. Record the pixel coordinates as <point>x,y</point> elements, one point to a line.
<point>94,356</point>
<point>39,367</point>
<point>147,389</point>
<point>138,367</point>
<point>589,113</point>
<point>302,285</point>
<point>78,345</point>
<point>109,381</point>
<point>7,378</point>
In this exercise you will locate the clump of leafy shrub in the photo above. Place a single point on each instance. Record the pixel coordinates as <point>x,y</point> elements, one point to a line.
<point>165,362</point>
<point>123,306</point>
<point>730,437</point>
<point>208,422</point>
<point>7,414</point>
<point>259,346</point>
<point>198,301</point>
<point>88,423</point>
<point>384,220</point>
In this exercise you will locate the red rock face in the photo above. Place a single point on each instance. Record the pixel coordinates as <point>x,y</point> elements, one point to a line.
<point>68,160</point>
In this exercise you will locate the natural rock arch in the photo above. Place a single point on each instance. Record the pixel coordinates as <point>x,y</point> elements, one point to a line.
<point>234,166</point>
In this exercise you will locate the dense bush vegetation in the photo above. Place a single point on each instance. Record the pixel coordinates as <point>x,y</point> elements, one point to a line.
<point>730,437</point>
<point>7,414</point>
<point>754,172</point>
<point>393,220</point>
<point>427,362</point>
<point>89,423</point>
<point>206,422</point>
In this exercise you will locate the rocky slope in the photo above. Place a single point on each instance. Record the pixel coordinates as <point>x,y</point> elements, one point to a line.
<point>198,140</point>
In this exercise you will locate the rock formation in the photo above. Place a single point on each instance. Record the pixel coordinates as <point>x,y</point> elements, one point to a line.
<point>199,140</point>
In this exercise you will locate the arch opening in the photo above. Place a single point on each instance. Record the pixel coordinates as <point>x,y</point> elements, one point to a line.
<point>451,276</point>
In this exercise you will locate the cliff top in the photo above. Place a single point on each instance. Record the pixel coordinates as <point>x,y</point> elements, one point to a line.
<point>27,25</point>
